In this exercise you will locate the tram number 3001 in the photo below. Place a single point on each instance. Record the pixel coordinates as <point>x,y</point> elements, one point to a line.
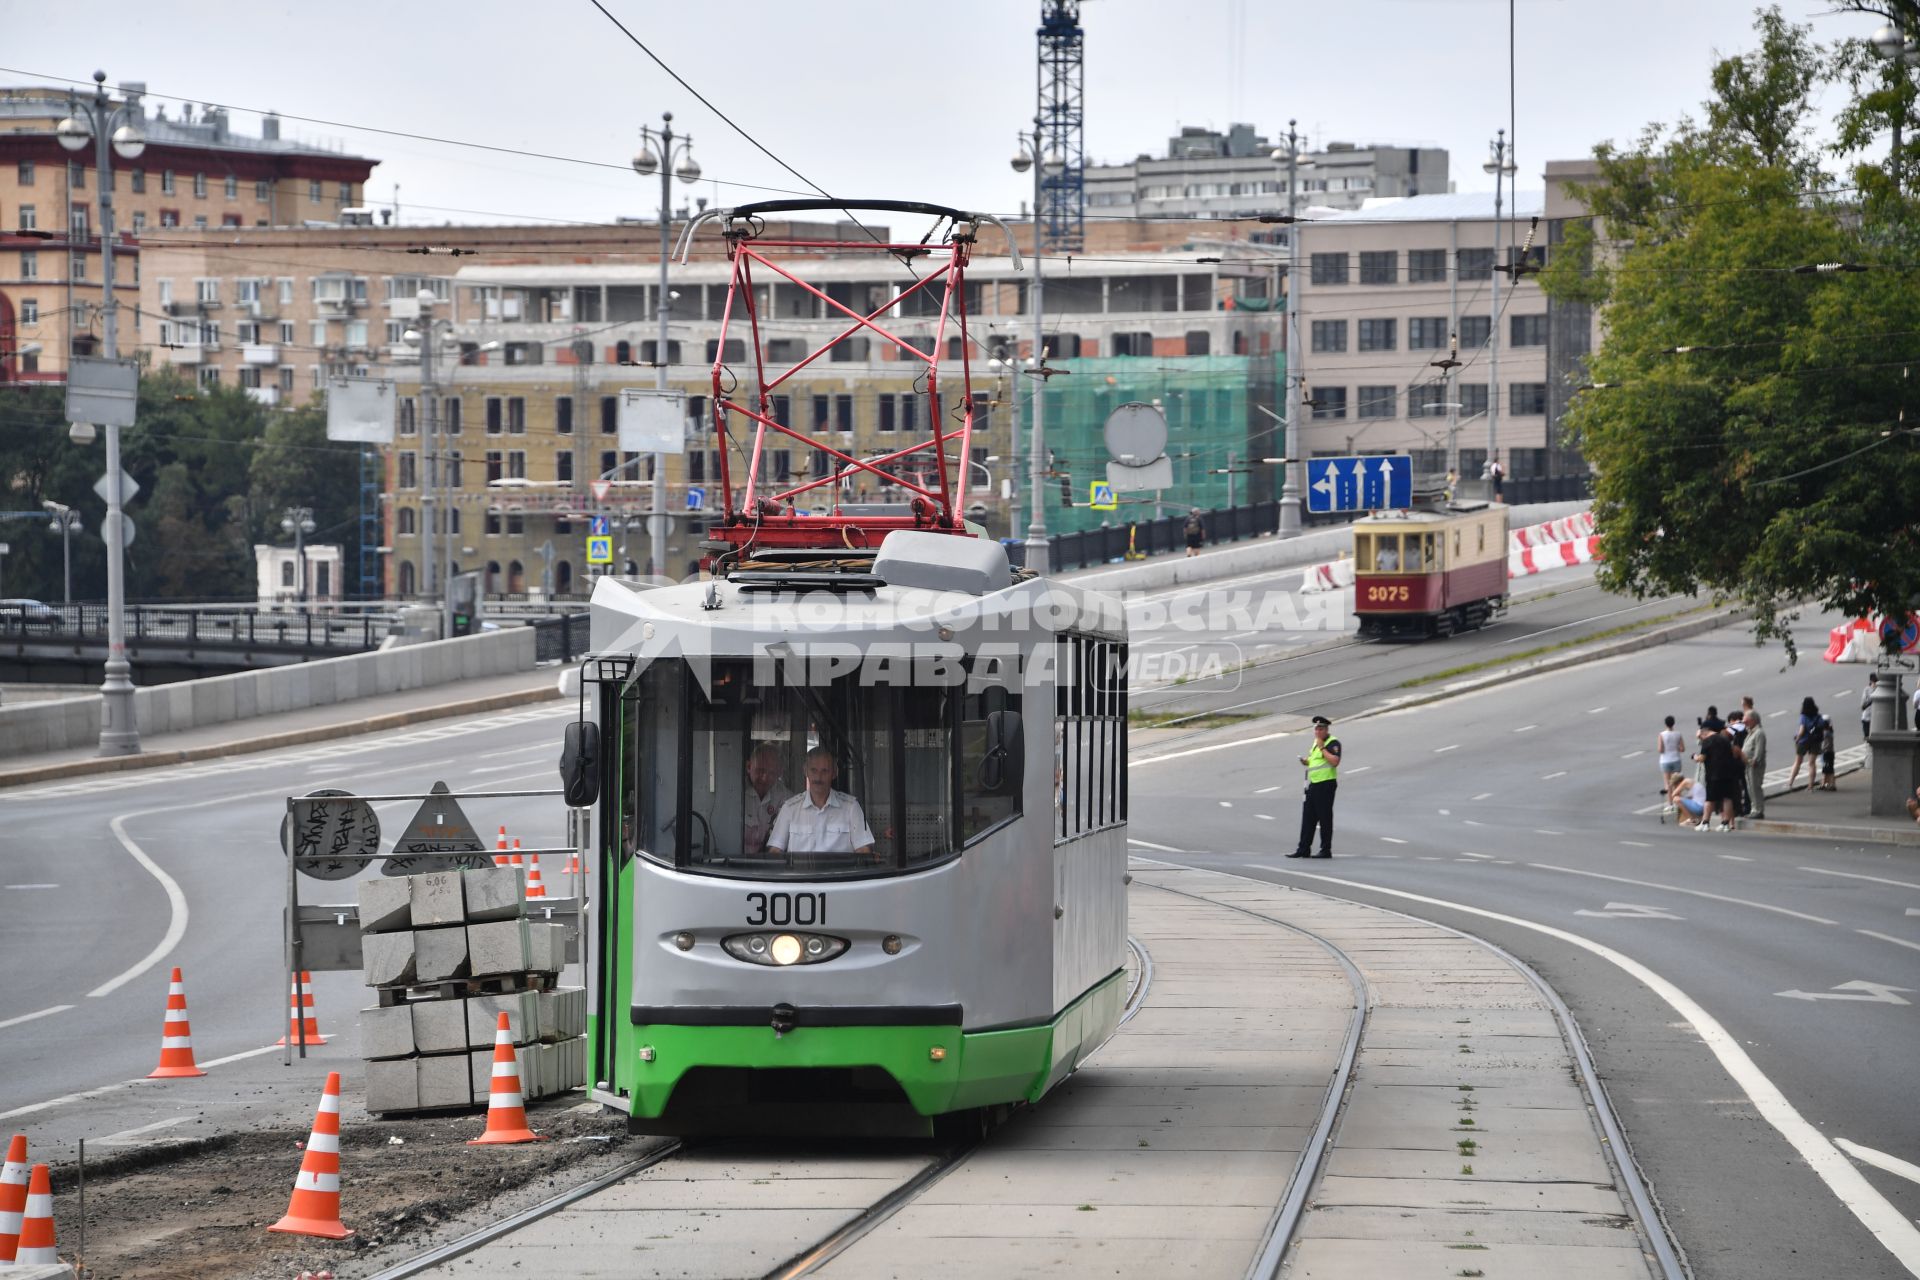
<point>1381,593</point>
<point>786,908</point>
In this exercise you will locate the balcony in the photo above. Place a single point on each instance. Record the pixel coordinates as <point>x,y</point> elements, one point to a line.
<point>269,396</point>
<point>259,353</point>
<point>189,352</point>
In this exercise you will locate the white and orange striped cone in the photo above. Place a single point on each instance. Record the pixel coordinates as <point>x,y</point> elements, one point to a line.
<point>536,888</point>
<point>36,1224</point>
<point>13,1196</point>
<point>176,1037</point>
<point>315,1207</point>
<point>299,1008</point>
<point>573,863</point>
<point>506,1106</point>
<point>500,848</point>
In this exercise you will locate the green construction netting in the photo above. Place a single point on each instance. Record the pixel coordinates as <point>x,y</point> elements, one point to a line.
<point>1216,406</point>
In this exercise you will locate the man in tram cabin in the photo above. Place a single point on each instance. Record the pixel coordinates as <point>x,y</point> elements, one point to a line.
<point>766,796</point>
<point>1322,763</point>
<point>820,819</point>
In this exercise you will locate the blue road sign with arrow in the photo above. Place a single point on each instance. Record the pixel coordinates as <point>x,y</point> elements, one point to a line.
<point>1376,483</point>
<point>597,525</point>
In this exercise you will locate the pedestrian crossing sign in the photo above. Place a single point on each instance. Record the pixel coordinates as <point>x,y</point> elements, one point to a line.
<point>1100,496</point>
<point>600,549</point>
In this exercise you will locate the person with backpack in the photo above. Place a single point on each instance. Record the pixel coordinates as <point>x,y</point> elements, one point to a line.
<point>1322,763</point>
<point>1196,531</point>
<point>1825,742</point>
<point>1806,743</point>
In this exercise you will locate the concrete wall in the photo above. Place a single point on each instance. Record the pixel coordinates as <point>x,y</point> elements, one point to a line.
<point>168,708</point>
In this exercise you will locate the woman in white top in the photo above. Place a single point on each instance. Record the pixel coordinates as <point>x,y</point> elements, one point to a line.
<point>1672,748</point>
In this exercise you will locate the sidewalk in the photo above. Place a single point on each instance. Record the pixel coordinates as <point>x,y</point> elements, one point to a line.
<point>290,728</point>
<point>1840,814</point>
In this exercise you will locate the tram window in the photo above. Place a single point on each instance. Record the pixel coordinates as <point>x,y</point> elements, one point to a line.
<point>1387,558</point>
<point>1456,546</point>
<point>990,782</point>
<point>1433,561</point>
<point>1089,735</point>
<point>651,724</point>
<point>1362,550</point>
<point>1414,562</point>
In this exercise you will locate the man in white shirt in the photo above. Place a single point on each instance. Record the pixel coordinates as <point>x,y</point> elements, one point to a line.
<point>765,794</point>
<point>820,819</point>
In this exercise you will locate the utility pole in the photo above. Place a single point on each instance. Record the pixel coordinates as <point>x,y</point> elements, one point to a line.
<point>1037,550</point>
<point>657,152</point>
<point>1500,166</point>
<point>1290,483</point>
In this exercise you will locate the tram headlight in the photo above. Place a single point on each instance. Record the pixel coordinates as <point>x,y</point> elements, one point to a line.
<point>781,950</point>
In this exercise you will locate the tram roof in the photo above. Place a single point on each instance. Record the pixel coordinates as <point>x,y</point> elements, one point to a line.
<point>1425,515</point>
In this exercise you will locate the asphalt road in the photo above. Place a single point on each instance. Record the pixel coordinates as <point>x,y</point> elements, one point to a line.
<point>1520,800</point>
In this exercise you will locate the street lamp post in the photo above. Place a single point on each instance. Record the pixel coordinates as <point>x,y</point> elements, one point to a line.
<point>1290,483</point>
<point>65,521</point>
<point>658,151</point>
<point>94,122</point>
<point>1500,166</point>
<point>298,521</point>
<point>427,334</point>
<point>1901,51</point>
<point>1037,550</point>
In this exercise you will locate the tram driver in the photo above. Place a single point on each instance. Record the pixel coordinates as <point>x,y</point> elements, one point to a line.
<point>1388,560</point>
<point>820,819</point>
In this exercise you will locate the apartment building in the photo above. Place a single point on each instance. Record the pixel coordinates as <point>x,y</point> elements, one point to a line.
<point>1385,290</point>
<point>1209,174</point>
<point>196,174</point>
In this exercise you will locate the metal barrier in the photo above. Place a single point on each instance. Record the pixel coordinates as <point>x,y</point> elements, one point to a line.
<point>561,639</point>
<point>235,627</point>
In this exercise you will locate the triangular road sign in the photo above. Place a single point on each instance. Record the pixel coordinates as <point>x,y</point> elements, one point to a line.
<point>439,829</point>
<point>601,488</point>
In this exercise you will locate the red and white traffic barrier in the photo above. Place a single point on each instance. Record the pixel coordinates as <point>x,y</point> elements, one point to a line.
<point>1566,529</point>
<point>1554,555</point>
<point>1328,577</point>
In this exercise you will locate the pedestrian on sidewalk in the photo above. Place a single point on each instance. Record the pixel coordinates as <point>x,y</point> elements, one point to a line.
<point>1322,763</point>
<point>1866,713</point>
<point>1754,748</point>
<point>1826,754</point>
<point>1671,747</point>
<point>1806,743</point>
<point>1737,730</point>
<point>1196,532</point>
<point>1720,760</point>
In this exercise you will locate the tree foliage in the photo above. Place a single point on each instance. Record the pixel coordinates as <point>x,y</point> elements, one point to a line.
<point>1745,418</point>
<point>216,471</point>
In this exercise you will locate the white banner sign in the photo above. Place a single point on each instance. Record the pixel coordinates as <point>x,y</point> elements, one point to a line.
<point>652,421</point>
<point>360,410</point>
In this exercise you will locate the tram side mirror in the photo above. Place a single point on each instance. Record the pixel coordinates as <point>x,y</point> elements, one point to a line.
<point>580,764</point>
<point>1005,761</point>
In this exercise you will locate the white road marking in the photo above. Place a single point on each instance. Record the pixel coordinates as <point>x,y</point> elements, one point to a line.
<point>1887,937</point>
<point>1888,1224</point>
<point>33,886</point>
<point>1843,693</point>
<point>1242,635</point>
<point>1391,840</point>
<point>1442,750</point>
<point>1631,911</point>
<point>1771,715</point>
<point>1137,761</point>
<point>1484,795</point>
<point>1226,804</point>
<point>29,1017</point>
<point>492,768</point>
<point>1880,1160</point>
<point>1264,817</point>
<point>130,1137</point>
<point>64,1098</point>
<point>238,1057</point>
<point>1262,791</point>
<point>1698,893</point>
<point>1428,858</point>
<point>1594,711</point>
<point>1470,822</point>
<point>1851,875</point>
<point>514,751</point>
<point>1549,777</point>
<point>1466,854</point>
<point>1669,689</point>
<point>1734,857</point>
<point>1148,844</point>
<point>1525,727</point>
<point>1631,754</point>
<point>1736,671</point>
<point>1359,769</point>
<point>1858,989</point>
<point>1542,831</point>
<point>1446,813</point>
<point>176,907</point>
<point>1637,844</point>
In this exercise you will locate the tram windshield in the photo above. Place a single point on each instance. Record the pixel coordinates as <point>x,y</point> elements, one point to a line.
<point>759,771</point>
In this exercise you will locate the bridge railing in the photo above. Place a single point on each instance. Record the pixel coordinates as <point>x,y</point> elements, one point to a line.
<point>212,627</point>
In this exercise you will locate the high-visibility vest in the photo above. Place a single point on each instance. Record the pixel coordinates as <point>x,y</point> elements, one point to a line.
<point>1320,768</point>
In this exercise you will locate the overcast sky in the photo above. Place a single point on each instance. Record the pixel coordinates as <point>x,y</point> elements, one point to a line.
<point>906,99</point>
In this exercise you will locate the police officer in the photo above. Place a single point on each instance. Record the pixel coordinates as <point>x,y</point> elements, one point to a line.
<point>1322,763</point>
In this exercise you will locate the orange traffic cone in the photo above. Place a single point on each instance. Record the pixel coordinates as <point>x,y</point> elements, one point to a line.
<point>300,1005</point>
<point>573,863</point>
<point>315,1207</point>
<point>500,848</point>
<point>176,1037</point>
<point>36,1224</point>
<point>13,1196</point>
<point>535,887</point>
<point>506,1110</point>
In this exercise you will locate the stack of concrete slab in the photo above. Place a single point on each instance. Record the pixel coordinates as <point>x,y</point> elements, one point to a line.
<point>446,953</point>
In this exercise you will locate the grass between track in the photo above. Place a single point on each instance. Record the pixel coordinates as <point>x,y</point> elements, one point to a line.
<point>1525,654</point>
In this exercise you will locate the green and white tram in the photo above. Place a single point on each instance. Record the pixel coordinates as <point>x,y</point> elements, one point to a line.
<point>861,807</point>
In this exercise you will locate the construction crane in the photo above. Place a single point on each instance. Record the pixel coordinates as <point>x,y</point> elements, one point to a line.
<point>1061,126</point>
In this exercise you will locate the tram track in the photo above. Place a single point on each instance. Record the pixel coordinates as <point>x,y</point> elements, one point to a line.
<point>807,1260</point>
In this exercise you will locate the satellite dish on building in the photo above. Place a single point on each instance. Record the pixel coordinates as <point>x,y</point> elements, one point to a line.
<point>1136,439</point>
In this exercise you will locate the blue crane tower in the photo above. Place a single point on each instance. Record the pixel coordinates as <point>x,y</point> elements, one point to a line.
<point>1062,126</point>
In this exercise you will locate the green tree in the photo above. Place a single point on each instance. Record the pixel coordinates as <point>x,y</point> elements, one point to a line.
<point>296,466</point>
<point>1744,420</point>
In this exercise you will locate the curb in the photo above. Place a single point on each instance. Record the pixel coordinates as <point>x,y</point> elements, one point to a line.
<point>272,741</point>
<point>1831,831</point>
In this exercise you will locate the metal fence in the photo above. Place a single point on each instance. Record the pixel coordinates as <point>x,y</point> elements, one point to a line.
<point>214,627</point>
<point>561,639</point>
